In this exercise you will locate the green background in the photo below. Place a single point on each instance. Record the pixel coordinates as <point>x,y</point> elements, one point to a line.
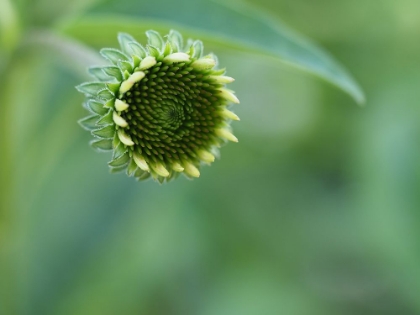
<point>314,211</point>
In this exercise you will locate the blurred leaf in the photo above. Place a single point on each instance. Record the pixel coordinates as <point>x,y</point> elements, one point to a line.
<point>9,25</point>
<point>73,55</point>
<point>237,26</point>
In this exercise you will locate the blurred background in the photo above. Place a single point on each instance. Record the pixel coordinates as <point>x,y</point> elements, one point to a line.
<point>314,211</point>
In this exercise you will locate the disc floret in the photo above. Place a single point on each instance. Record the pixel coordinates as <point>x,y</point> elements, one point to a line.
<point>162,110</point>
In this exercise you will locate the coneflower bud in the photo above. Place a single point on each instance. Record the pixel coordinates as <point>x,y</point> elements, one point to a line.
<point>161,109</point>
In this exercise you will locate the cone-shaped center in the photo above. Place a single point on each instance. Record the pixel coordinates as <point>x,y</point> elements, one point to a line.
<point>173,112</point>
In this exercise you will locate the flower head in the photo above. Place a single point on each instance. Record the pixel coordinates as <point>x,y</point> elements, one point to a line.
<point>162,109</point>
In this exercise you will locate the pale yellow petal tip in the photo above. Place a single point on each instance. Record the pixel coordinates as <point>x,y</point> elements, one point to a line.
<point>137,76</point>
<point>204,64</point>
<point>222,79</point>
<point>119,121</point>
<point>147,63</point>
<point>124,138</point>
<point>132,79</point>
<point>161,170</point>
<point>231,115</point>
<point>191,170</point>
<point>206,156</point>
<point>177,57</point>
<point>120,105</point>
<point>125,87</point>
<point>224,133</point>
<point>227,94</point>
<point>141,162</point>
<point>177,167</point>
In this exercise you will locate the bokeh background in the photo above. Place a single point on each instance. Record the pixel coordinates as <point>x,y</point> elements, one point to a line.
<point>314,211</point>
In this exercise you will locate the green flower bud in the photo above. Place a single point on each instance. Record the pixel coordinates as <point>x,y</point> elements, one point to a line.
<point>161,109</point>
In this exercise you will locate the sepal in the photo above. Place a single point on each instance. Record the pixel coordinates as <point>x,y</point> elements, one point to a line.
<point>113,55</point>
<point>155,39</point>
<point>153,51</point>
<point>107,119</point>
<point>138,50</point>
<point>89,122</point>
<point>91,88</point>
<point>125,39</point>
<point>102,144</point>
<point>113,72</point>
<point>141,175</point>
<point>106,94</point>
<point>109,103</point>
<point>97,73</point>
<point>96,107</point>
<point>131,168</point>
<point>115,142</point>
<point>168,49</point>
<point>120,161</point>
<point>125,66</point>
<point>176,40</point>
<point>119,150</point>
<point>118,169</point>
<point>136,61</point>
<point>106,132</point>
<point>113,87</point>
<point>198,49</point>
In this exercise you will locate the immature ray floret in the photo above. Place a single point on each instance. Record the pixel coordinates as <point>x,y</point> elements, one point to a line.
<point>162,110</point>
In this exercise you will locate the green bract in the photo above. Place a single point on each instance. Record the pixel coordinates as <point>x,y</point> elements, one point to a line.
<point>162,109</point>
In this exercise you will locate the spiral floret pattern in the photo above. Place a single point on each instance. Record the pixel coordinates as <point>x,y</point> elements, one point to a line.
<point>162,110</point>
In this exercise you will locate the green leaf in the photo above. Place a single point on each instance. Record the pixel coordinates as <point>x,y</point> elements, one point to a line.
<point>106,132</point>
<point>237,25</point>
<point>102,144</point>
